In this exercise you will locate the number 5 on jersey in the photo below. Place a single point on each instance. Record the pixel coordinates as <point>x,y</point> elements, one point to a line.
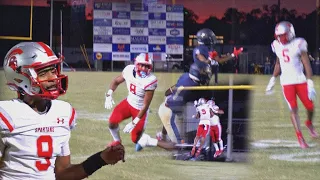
<point>285,55</point>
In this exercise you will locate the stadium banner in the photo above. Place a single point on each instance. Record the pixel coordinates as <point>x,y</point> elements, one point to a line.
<point>123,30</point>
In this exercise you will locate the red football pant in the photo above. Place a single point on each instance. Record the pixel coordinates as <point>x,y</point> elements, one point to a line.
<point>290,93</point>
<point>202,130</point>
<point>123,111</point>
<point>215,133</point>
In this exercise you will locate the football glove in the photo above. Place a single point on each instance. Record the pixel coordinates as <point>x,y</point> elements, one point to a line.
<point>129,127</point>
<point>272,82</point>
<point>311,90</point>
<point>109,101</point>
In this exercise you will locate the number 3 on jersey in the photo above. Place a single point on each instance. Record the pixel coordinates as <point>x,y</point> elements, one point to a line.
<point>133,88</point>
<point>285,55</point>
<point>45,150</point>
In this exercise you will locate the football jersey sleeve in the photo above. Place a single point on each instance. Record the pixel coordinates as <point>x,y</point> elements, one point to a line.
<point>6,123</point>
<point>272,47</point>
<point>302,45</point>
<point>73,118</point>
<point>65,148</point>
<point>152,84</point>
<point>127,71</point>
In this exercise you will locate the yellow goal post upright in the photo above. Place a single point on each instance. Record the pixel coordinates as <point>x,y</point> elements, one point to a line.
<point>230,87</point>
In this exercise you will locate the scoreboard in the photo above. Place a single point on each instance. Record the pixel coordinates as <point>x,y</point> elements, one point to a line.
<point>123,30</point>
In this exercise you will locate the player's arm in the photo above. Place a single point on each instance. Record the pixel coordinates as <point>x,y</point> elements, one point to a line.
<point>113,86</point>
<point>170,90</point>
<point>202,58</point>
<point>146,102</point>
<point>223,59</point>
<point>306,63</point>
<point>115,83</point>
<point>64,170</point>
<point>277,69</point>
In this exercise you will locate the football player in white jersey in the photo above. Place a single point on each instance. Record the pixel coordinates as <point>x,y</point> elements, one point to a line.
<point>215,128</point>
<point>35,127</point>
<point>292,59</point>
<point>141,84</point>
<point>204,113</point>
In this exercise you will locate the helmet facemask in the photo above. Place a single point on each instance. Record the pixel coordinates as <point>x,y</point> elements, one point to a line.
<point>143,65</point>
<point>56,86</point>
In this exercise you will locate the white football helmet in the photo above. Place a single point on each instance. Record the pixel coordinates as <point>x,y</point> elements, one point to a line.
<point>284,32</point>
<point>202,101</point>
<point>21,66</point>
<point>211,102</point>
<point>146,60</point>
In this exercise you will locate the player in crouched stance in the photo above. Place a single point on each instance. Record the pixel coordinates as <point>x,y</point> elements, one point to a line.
<point>292,57</point>
<point>141,84</point>
<point>35,128</point>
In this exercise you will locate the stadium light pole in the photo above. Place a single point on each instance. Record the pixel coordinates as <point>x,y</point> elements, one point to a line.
<point>229,131</point>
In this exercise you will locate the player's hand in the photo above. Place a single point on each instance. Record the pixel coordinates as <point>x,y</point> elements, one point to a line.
<point>311,91</point>
<point>113,153</point>
<point>236,51</point>
<point>129,127</point>
<point>195,103</point>
<point>269,89</point>
<point>109,102</point>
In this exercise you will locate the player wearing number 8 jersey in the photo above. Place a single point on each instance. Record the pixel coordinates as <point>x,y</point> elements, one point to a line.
<point>141,84</point>
<point>35,127</point>
<point>292,57</point>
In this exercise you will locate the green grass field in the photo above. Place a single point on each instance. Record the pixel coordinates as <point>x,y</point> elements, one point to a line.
<point>269,121</point>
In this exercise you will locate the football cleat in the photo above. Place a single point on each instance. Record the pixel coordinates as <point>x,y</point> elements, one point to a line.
<point>143,142</point>
<point>311,129</point>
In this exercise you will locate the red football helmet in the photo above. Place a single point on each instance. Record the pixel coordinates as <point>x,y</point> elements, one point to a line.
<point>22,64</point>
<point>143,65</point>
<point>284,32</point>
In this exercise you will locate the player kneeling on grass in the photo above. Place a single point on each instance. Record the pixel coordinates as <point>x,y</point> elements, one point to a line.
<point>141,84</point>
<point>215,128</point>
<point>292,57</point>
<point>35,128</point>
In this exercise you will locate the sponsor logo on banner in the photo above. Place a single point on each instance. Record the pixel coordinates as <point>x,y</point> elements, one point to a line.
<point>174,24</point>
<point>157,16</point>
<point>102,22</point>
<point>102,56</point>
<point>157,24</point>
<point>121,47</point>
<point>174,16</point>
<point>174,32</point>
<point>175,40</point>
<point>102,47</point>
<point>138,7</point>
<point>174,49</point>
<point>121,31</point>
<point>101,5</point>
<point>120,6</point>
<point>121,23</point>
<point>138,48</point>
<point>157,32</point>
<point>139,31</point>
<point>139,15</point>
<point>139,23</point>
<point>120,39</point>
<point>121,15</point>
<point>102,14</point>
<point>157,8</point>
<point>157,48</point>
<point>139,39</point>
<point>157,40</point>
<point>120,56</point>
<point>102,30</point>
<point>175,8</point>
<point>102,39</point>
